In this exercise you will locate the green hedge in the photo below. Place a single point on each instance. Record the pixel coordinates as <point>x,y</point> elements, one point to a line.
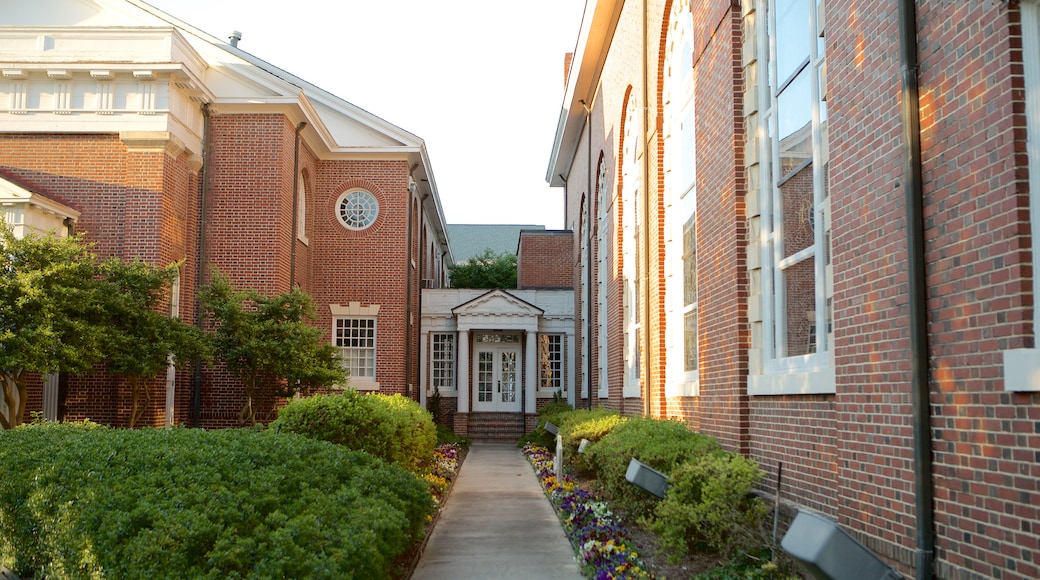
<point>709,502</point>
<point>81,501</point>
<point>552,412</point>
<point>391,427</point>
<point>660,443</point>
<point>589,424</point>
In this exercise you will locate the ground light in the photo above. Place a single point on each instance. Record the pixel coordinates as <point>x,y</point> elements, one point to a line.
<point>828,552</point>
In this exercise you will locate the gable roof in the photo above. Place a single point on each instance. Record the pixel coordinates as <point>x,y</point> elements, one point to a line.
<point>130,34</point>
<point>470,240</point>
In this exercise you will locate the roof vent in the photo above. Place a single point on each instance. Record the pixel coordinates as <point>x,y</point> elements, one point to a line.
<point>235,37</point>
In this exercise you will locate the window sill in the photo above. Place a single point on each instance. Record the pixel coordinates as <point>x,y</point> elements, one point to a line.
<point>812,382</point>
<point>363,385</point>
<point>445,392</point>
<point>1022,370</point>
<point>683,389</point>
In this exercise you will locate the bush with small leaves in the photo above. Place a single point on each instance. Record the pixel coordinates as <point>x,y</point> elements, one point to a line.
<point>588,424</point>
<point>660,443</point>
<point>709,502</point>
<point>81,501</point>
<point>391,427</point>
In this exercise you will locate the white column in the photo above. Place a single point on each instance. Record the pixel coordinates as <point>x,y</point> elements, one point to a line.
<point>50,396</point>
<point>171,394</point>
<point>463,385</point>
<point>424,336</point>
<point>531,382</point>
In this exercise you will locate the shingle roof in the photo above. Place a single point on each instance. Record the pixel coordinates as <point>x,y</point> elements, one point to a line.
<point>469,240</point>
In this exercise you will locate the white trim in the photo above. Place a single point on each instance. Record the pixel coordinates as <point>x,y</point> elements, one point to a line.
<point>1022,370</point>
<point>1031,72</point>
<point>816,382</point>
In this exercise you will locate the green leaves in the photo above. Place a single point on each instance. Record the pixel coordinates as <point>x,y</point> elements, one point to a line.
<point>81,502</point>
<point>391,427</point>
<point>488,270</point>
<point>268,343</point>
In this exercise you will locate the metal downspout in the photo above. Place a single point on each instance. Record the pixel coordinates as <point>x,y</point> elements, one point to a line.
<point>196,394</point>
<point>645,257</point>
<point>295,205</point>
<point>924,515</point>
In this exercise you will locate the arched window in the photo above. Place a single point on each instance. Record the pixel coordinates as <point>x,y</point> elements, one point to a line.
<point>631,228</point>
<point>680,160</point>
<point>603,194</point>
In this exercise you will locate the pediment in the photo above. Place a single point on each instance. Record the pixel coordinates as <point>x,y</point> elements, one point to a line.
<point>497,303</point>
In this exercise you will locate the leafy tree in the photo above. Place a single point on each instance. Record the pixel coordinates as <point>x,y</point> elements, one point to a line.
<point>51,314</point>
<point>142,341</point>
<point>268,344</point>
<point>488,270</point>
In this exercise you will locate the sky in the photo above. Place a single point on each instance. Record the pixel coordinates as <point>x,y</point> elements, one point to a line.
<point>480,81</point>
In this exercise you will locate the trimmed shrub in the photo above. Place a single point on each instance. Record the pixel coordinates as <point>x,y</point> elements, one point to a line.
<point>391,427</point>
<point>660,443</point>
<point>709,502</point>
<point>590,424</point>
<point>550,413</point>
<point>79,501</point>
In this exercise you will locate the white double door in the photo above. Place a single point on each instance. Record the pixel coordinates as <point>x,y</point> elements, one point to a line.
<point>496,374</point>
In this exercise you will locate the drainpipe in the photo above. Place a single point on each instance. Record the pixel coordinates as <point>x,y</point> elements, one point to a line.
<point>408,281</point>
<point>924,515</point>
<point>645,193</point>
<point>196,394</point>
<point>295,205</point>
<point>588,250</point>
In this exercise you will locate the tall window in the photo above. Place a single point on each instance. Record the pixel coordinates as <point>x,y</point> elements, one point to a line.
<point>631,234</point>
<point>550,357</point>
<point>356,339</point>
<point>301,211</point>
<point>1031,68</point>
<point>586,310</point>
<point>794,197</point>
<point>681,204</point>
<point>442,361</point>
<point>604,194</point>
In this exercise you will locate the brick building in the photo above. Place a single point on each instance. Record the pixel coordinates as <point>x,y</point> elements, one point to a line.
<point>165,144</point>
<point>770,246</point>
<point>495,357</point>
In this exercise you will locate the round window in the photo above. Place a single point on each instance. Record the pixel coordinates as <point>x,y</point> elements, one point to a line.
<point>357,209</point>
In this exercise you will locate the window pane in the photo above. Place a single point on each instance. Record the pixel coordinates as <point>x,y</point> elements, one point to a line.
<point>798,211</point>
<point>800,290</point>
<point>690,341</point>
<point>792,37</point>
<point>690,262</point>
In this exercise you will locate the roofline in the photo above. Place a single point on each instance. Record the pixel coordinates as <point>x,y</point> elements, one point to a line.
<point>597,31</point>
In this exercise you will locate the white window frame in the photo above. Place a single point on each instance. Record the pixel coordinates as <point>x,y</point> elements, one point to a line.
<point>604,195</point>
<point>443,361</point>
<point>354,311</point>
<point>301,211</point>
<point>680,196</point>
<point>551,352</point>
<point>811,373</point>
<point>631,221</point>
<point>1022,365</point>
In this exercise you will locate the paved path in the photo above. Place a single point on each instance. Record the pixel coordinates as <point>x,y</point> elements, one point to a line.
<point>497,523</point>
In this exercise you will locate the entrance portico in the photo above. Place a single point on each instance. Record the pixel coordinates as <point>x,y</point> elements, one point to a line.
<point>494,354</point>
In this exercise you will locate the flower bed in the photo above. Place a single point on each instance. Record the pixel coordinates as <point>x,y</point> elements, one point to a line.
<point>443,470</point>
<point>604,549</point>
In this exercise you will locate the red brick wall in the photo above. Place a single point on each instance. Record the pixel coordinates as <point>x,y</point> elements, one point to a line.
<point>980,274</point>
<point>367,266</point>
<point>135,204</point>
<point>721,229</point>
<point>545,259</point>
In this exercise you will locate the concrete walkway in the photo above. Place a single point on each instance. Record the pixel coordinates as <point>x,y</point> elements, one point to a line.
<point>497,523</point>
